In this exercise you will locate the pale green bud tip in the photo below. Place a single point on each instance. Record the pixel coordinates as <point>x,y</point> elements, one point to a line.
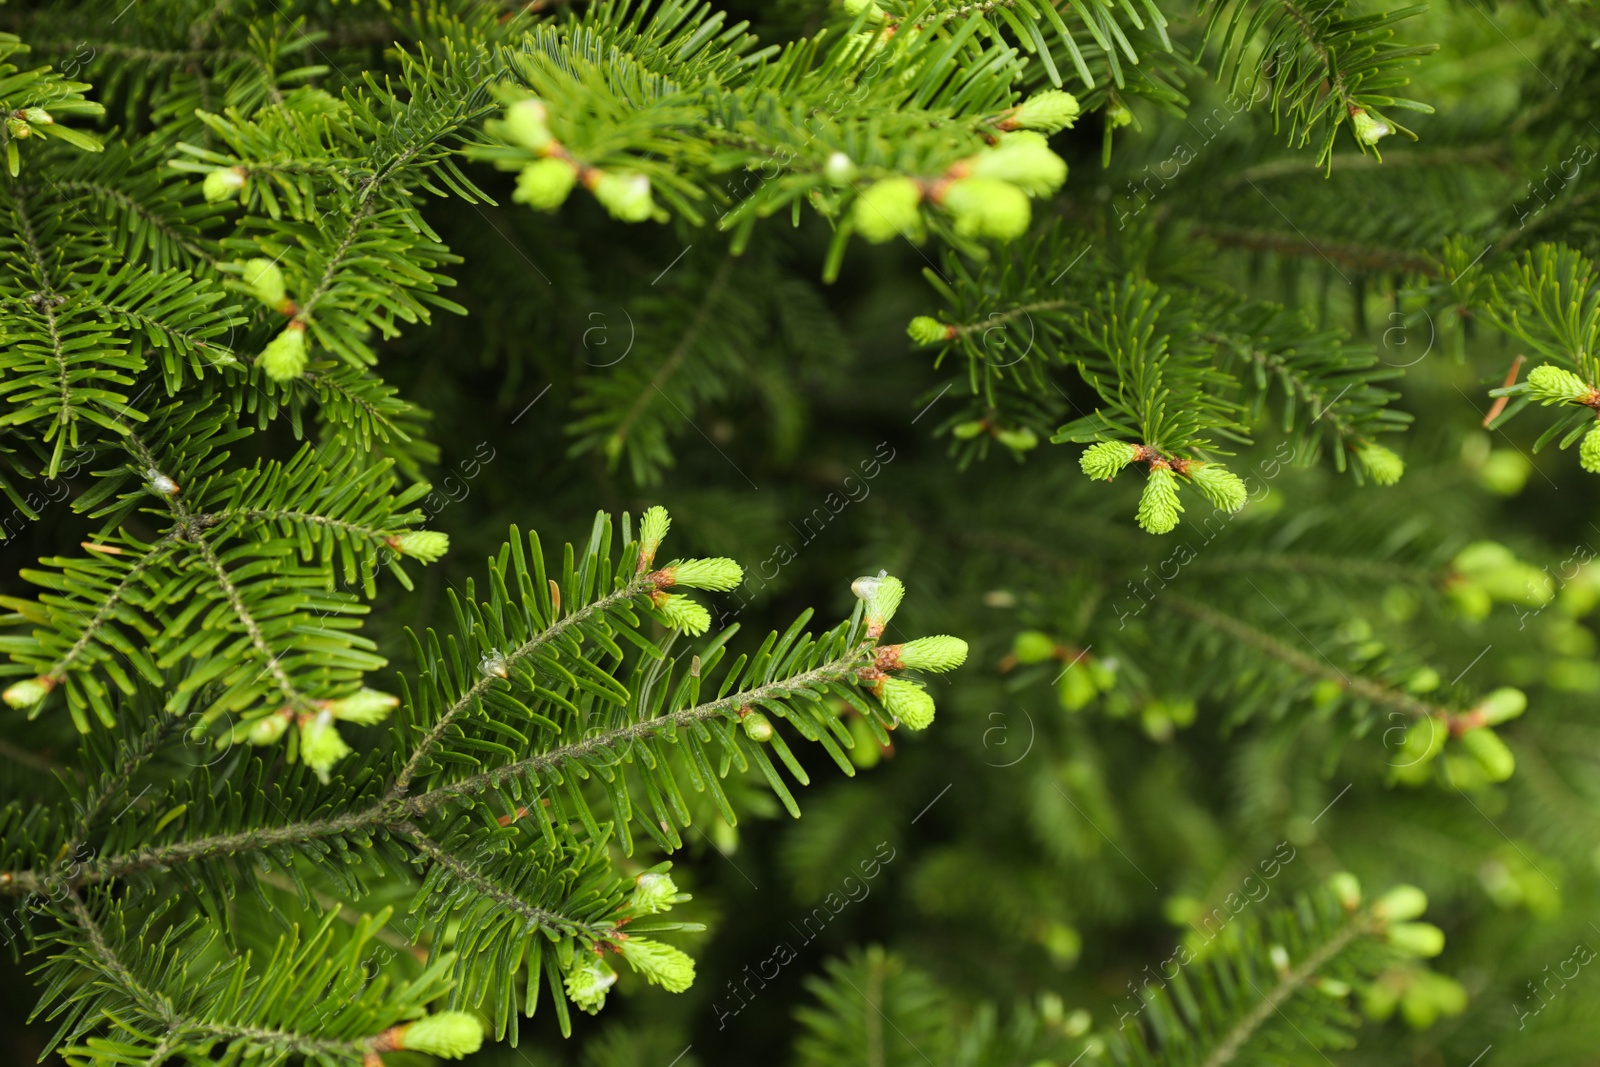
<point>424,546</point>
<point>888,209</point>
<point>1049,111</point>
<point>265,281</point>
<point>626,195</point>
<point>882,593</point>
<point>545,184</point>
<point>1158,504</point>
<point>38,116</point>
<point>1025,161</point>
<point>451,1034</point>
<point>26,693</point>
<point>941,653</point>
<point>719,574</point>
<point>987,207</point>
<point>1554,385</point>
<point>856,7</point>
<point>1105,459</point>
<point>1383,466</point>
<point>366,706</point>
<point>284,358</point>
<point>222,183</point>
<point>320,744</point>
<point>588,982</point>
<point>663,965</point>
<point>1589,450</point>
<point>1503,705</point>
<point>906,701</point>
<point>653,527</point>
<point>527,124</point>
<point>267,731</point>
<point>926,330</point>
<point>684,614</point>
<point>1491,754</point>
<point>1033,646</point>
<point>1369,129</point>
<point>757,726</point>
<point>1220,485</point>
<point>1416,939</point>
<point>653,892</point>
<point>1023,440</point>
<point>1347,888</point>
<point>1401,903</point>
<point>840,169</point>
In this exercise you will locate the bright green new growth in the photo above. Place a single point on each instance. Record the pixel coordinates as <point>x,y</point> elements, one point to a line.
<point>527,123</point>
<point>666,966</point>
<point>1107,458</point>
<point>1490,753</point>
<point>684,614</point>
<point>987,207</point>
<point>320,744</point>
<point>888,209</point>
<point>425,546</point>
<point>718,574</point>
<point>653,527</point>
<point>365,708</point>
<point>284,358</point>
<point>1158,504</point>
<point>26,693</point>
<point>1220,485</point>
<point>545,184</point>
<point>1416,939</point>
<point>907,701</point>
<point>926,330</point>
<point>940,653</point>
<point>1557,385</point>
<point>451,1034</point>
<point>588,982</point>
<point>1382,465</point>
<point>1589,450</point>
<point>1402,903</point>
<point>1024,160</point>
<point>1369,128</point>
<point>1050,111</point>
<point>626,195</point>
<point>757,727</point>
<point>1503,705</point>
<point>882,594</point>
<point>654,892</point>
<point>265,281</point>
<point>223,183</point>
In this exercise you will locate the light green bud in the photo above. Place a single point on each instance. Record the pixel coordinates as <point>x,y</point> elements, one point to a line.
<point>1049,111</point>
<point>267,731</point>
<point>365,706</point>
<point>265,281</point>
<point>425,546</point>
<point>1589,450</point>
<point>450,1034</point>
<point>1106,459</point>
<point>222,183</point>
<point>840,169</point>
<point>38,116</point>
<point>757,727</point>
<point>1491,753</point>
<point>654,892</point>
<point>1503,705</point>
<point>1556,385</point>
<point>1033,646</point>
<point>941,653</point>
<point>718,574</point>
<point>1416,939</point>
<point>1382,465</point>
<point>588,982</point>
<point>987,207</point>
<point>526,124</point>
<point>1347,888</point>
<point>26,693</point>
<point>320,744</point>
<point>653,527</point>
<point>882,594</point>
<point>1025,161</point>
<point>545,184</point>
<point>1220,485</point>
<point>906,701</point>
<point>684,614</point>
<point>1158,504</point>
<point>1369,128</point>
<point>926,330</point>
<point>284,358</point>
<point>1023,440</point>
<point>626,194</point>
<point>663,965</point>
<point>888,209</point>
<point>1401,903</point>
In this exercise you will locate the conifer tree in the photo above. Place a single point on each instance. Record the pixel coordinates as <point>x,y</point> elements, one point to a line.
<point>1063,355</point>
